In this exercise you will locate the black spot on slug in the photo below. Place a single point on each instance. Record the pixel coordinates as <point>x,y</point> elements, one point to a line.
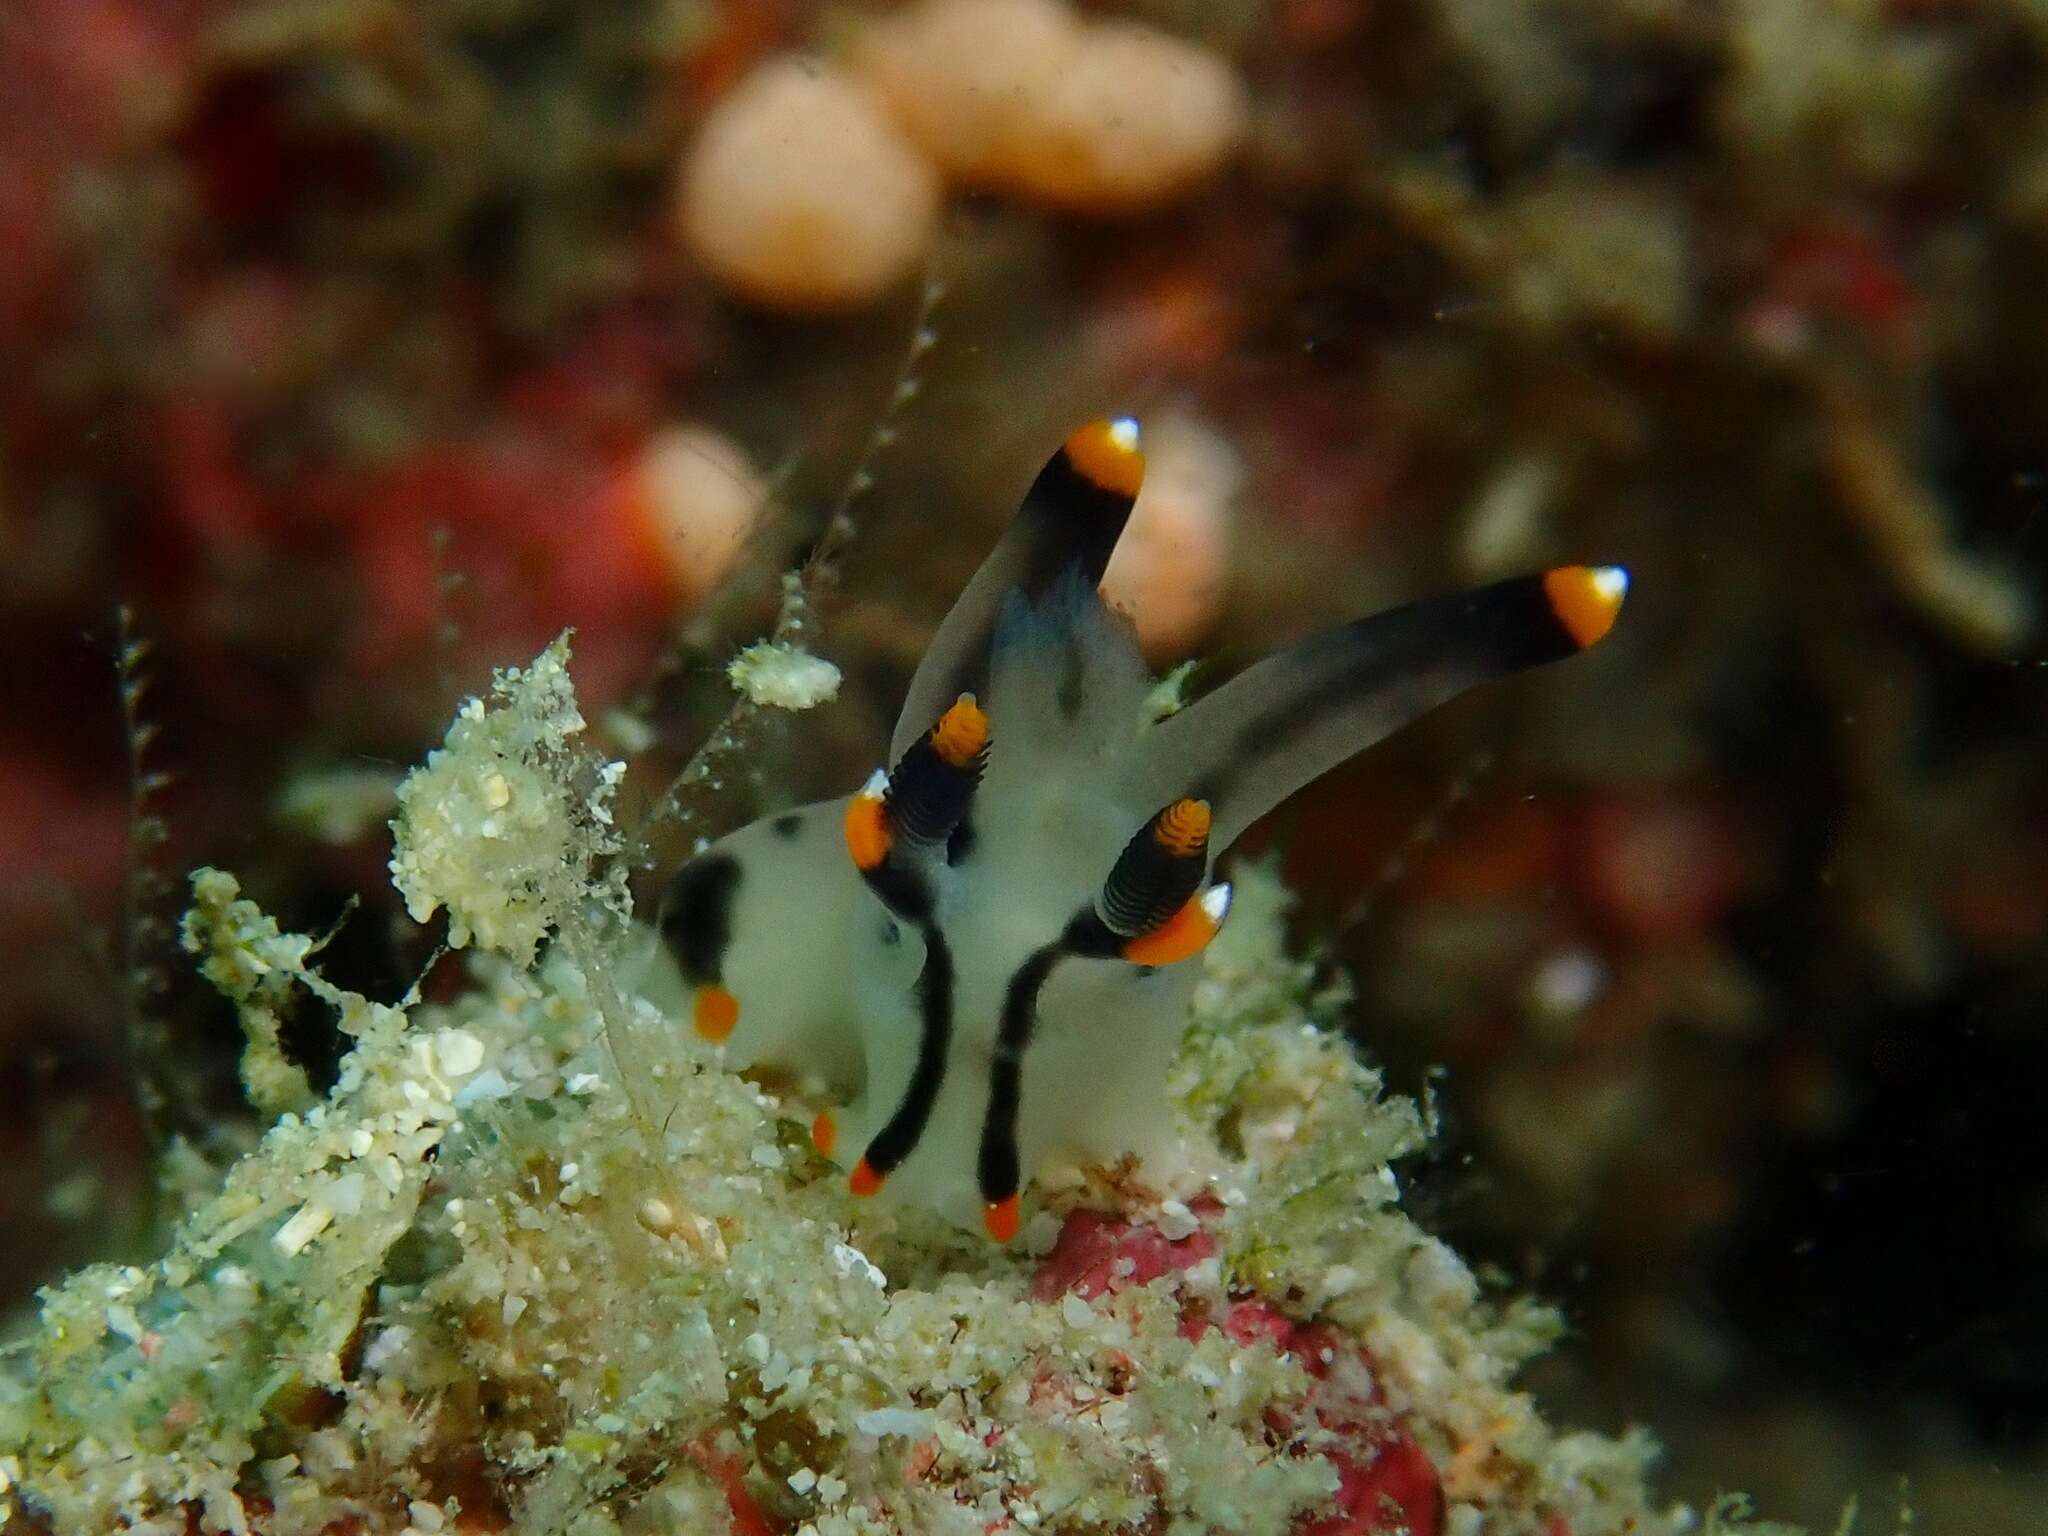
<point>696,915</point>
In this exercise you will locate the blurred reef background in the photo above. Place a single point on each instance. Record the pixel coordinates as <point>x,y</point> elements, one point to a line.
<point>355,347</point>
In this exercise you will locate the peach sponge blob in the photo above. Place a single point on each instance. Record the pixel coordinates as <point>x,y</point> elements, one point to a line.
<point>1025,97</point>
<point>799,194</point>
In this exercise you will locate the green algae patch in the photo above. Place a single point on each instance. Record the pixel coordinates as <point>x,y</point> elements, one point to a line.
<point>538,1262</point>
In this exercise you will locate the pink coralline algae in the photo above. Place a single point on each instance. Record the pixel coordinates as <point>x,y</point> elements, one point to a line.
<point>1385,1480</point>
<point>1098,1254</point>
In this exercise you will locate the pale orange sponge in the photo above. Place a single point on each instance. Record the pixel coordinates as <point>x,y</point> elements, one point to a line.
<point>1137,119</point>
<point>799,194</point>
<point>966,78</point>
<point>1023,96</point>
<point>693,496</point>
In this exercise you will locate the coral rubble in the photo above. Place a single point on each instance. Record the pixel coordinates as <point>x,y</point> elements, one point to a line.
<point>539,1262</point>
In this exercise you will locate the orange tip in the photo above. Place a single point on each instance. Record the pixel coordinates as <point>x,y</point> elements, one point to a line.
<point>1185,933</point>
<point>825,1133</point>
<point>1106,454</point>
<point>1183,828</point>
<point>962,732</point>
<point>1585,599</point>
<point>715,1013</point>
<point>867,824</point>
<point>864,1181</point>
<point>1000,1217</point>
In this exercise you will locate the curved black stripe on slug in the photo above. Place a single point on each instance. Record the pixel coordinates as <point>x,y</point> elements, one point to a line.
<point>899,1136</point>
<point>901,890</point>
<point>696,915</point>
<point>997,1169</point>
<point>1090,938</point>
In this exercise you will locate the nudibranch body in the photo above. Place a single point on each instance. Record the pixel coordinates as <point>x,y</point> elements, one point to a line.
<point>985,953</point>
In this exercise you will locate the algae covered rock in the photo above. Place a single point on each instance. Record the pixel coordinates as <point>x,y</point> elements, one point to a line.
<point>495,1281</point>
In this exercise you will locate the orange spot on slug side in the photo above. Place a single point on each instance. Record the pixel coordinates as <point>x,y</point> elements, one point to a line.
<point>716,1014</point>
<point>864,1181</point>
<point>1183,934</point>
<point>961,733</point>
<point>1106,455</point>
<point>825,1133</point>
<point>867,831</point>
<point>1000,1217</point>
<point>1586,599</point>
<point>1183,828</point>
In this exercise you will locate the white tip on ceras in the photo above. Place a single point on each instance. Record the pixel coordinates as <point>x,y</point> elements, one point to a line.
<point>1216,903</point>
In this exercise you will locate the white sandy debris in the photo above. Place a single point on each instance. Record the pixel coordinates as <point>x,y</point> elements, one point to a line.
<point>491,828</point>
<point>778,675</point>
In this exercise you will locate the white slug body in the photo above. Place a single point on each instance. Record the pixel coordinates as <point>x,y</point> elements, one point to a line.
<point>985,954</point>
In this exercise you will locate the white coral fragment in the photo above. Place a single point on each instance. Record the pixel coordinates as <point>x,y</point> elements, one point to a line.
<point>302,1226</point>
<point>457,1052</point>
<point>778,675</point>
<point>490,828</point>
